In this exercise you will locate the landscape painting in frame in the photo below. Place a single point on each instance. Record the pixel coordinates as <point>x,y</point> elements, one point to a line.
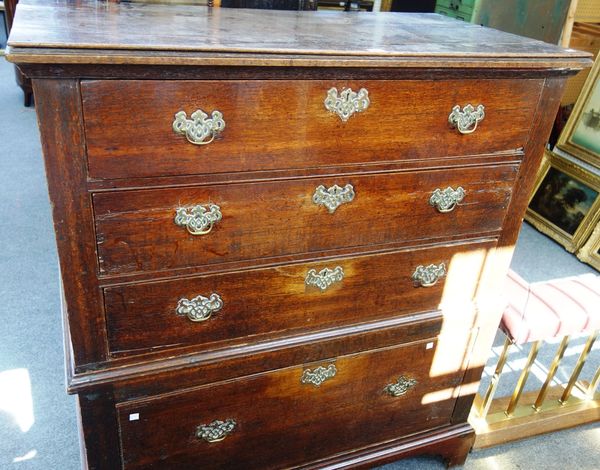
<point>587,130</point>
<point>565,204</point>
<point>563,200</point>
<point>581,135</point>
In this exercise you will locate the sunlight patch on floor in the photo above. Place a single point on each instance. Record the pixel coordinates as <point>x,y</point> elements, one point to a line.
<point>15,397</point>
<point>28,456</point>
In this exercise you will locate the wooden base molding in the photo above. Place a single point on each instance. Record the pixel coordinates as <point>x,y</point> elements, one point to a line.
<point>525,422</point>
<point>452,444</point>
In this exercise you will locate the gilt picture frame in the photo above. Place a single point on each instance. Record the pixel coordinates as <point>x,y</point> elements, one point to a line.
<point>590,252</point>
<point>565,203</point>
<point>581,135</point>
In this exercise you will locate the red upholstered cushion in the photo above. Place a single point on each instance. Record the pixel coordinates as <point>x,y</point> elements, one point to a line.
<point>516,291</point>
<point>549,309</point>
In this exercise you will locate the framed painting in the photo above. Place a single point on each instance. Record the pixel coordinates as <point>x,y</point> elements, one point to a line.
<point>565,204</point>
<point>590,252</point>
<point>581,135</point>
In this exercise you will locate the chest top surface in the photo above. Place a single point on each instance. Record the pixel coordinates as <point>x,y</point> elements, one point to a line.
<point>100,32</point>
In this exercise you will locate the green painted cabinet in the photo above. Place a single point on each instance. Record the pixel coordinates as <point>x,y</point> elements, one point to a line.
<point>459,9</point>
<point>539,19</point>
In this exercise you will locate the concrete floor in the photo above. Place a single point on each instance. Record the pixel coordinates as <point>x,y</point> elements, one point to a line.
<point>38,427</point>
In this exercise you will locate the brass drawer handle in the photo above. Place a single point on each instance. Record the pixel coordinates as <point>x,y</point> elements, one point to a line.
<point>199,308</point>
<point>319,375</point>
<point>324,278</point>
<point>427,276</point>
<point>200,129</point>
<point>466,120</point>
<point>400,387</point>
<point>215,431</point>
<point>198,220</point>
<point>445,200</point>
<point>333,197</point>
<point>346,103</point>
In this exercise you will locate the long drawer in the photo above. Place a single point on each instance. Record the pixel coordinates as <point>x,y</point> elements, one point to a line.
<point>269,125</point>
<point>288,416</point>
<point>226,309</point>
<point>163,229</point>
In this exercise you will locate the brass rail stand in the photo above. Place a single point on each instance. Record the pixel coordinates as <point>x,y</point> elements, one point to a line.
<point>551,408</point>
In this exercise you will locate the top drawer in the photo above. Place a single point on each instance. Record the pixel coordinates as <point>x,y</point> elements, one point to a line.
<point>270,125</point>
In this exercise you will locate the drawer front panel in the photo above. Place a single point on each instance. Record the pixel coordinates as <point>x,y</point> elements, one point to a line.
<point>136,230</point>
<point>289,416</point>
<point>277,301</point>
<point>272,125</point>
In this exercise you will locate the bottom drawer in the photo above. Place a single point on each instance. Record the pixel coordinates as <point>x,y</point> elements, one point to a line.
<point>291,416</point>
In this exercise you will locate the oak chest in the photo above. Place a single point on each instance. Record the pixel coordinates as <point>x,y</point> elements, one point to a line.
<point>281,234</point>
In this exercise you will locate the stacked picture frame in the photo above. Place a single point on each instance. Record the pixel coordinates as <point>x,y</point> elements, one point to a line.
<point>565,202</point>
<point>581,135</point>
<point>590,252</point>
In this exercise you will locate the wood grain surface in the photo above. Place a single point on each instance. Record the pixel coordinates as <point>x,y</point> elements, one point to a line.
<point>452,443</point>
<point>136,230</point>
<point>63,144</point>
<point>135,377</point>
<point>294,420</point>
<point>98,418</point>
<point>277,124</point>
<point>491,315</point>
<point>101,63</point>
<point>276,301</point>
<point>183,28</point>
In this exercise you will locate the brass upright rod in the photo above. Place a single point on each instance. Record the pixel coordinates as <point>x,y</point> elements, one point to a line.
<point>560,352</point>
<point>491,390</point>
<point>577,370</point>
<point>593,385</point>
<point>514,400</point>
